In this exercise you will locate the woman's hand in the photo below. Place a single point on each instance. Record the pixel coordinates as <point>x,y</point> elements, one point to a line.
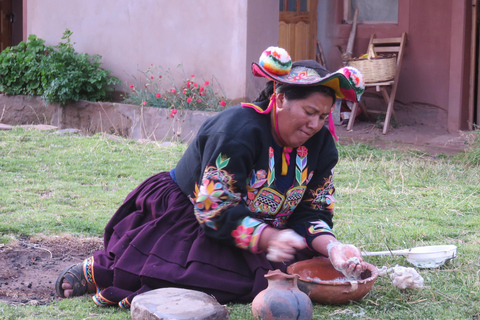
<point>283,244</point>
<point>346,258</point>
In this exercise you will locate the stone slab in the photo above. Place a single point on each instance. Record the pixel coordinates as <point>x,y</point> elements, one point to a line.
<point>41,127</point>
<point>5,127</point>
<point>177,304</point>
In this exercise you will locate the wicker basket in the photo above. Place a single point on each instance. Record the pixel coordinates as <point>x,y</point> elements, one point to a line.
<point>376,68</point>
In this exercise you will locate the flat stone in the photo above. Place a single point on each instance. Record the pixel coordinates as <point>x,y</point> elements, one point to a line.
<point>66,131</point>
<point>113,137</point>
<point>177,304</point>
<point>5,127</point>
<point>41,127</point>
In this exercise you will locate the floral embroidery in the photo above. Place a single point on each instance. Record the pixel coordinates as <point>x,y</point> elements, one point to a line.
<point>318,227</point>
<point>215,193</point>
<point>209,195</point>
<point>242,235</point>
<point>247,234</point>
<point>323,196</point>
<point>257,179</point>
<point>302,151</point>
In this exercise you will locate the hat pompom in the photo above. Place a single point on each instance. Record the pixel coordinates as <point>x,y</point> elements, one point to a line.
<point>276,61</point>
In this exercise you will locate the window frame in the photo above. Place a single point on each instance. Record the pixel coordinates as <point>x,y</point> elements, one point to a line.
<point>346,14</point>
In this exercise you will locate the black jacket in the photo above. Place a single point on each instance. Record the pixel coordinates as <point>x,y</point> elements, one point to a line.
<point>230,175</point>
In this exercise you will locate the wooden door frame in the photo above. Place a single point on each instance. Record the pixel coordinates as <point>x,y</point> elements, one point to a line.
<point>474,88</point>
<point>5,24</point>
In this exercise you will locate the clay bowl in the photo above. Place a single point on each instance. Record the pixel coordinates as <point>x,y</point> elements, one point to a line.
<point>331,289</point>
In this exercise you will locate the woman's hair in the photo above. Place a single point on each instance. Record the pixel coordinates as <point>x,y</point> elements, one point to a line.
<point>293,92</point>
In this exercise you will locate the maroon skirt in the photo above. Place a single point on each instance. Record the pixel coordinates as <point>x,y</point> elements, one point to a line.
<point>154,241</point>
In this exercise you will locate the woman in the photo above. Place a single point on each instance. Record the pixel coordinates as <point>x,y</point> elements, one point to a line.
<point>252,193</point>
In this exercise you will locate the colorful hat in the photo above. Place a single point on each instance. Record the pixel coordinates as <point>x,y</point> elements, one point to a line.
<point>275,64</point>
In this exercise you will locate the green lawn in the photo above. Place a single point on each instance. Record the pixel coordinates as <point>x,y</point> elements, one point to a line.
<point>52,184</point>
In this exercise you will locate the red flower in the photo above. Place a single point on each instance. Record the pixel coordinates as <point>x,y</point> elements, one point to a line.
<point>243,236</point>
<point>223,103</point>
<point>192,76</point>
<point>174,111</point>
<point>189,100</point>
<point>184,92</point>
<point>173,90</point>
<point>302,151</point>
<point>188,84</point>
<point>195,85</point>
<point>158,95</point>
<point>131,86</point>
<point>199,100</point>
<point>151,77</point>
<point>201,89</point>
<point>207,83</point>
<point>144,102</point>
<point>159,77</point>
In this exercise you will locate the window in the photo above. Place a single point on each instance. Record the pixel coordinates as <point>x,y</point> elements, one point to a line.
<point>371,11</point>
<point>293,5</point>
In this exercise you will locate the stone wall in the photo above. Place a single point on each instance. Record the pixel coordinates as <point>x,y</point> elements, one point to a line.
<point>129,121</point>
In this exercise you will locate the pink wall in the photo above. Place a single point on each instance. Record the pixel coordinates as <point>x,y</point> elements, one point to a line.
<point>435,67</point>
<point>205,36</point>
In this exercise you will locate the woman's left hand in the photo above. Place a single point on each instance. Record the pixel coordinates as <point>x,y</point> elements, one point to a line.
<point>347,259</point>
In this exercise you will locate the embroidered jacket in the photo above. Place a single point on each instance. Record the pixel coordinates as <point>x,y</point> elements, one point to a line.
<point>229,174</point>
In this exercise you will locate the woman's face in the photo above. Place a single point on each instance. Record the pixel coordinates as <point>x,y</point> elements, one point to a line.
<point>299,120</point>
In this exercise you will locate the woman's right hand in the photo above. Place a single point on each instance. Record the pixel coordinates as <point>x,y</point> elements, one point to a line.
<point>283,244</point>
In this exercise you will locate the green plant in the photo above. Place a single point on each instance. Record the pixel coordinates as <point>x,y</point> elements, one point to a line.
<point>20,67</point>
<point>58,74</point>
<point>76,76</point>
<point>150,90</point>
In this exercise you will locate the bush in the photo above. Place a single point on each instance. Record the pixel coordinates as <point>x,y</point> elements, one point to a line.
<point>20,71</point>
<point>189,95</point>
<point>58,74</point>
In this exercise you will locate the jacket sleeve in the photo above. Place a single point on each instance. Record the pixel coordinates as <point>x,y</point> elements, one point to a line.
<point>314,214</point>
<point>218,194</point>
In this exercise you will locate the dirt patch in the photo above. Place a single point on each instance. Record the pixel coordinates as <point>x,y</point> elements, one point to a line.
<point>30,266</point>
<point>430,140</point>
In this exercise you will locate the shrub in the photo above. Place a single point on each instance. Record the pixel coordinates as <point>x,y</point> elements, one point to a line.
<point>20,71</point>
<point>58,74</point>
<point>191,94</point>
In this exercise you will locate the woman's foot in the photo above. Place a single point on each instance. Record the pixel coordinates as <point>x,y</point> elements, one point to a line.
<point>72,282</point>
<point>68,288</point>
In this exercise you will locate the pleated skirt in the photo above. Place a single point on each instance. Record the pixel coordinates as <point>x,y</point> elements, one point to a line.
<point>154,241</point>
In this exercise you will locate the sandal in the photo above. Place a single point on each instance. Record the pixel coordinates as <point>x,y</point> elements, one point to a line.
<point>74,275</point>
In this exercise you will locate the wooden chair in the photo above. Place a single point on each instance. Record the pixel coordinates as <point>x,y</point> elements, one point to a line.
<point>383,45</point>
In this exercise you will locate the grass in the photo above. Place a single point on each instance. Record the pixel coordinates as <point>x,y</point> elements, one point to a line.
<point>52,184</point>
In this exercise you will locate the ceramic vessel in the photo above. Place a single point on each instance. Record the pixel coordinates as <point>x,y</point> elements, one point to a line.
<point>325,285</point>
<point>282,300</point>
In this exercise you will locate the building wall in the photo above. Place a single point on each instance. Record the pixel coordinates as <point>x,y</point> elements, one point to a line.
<point>434,73</point>
<point>208,37</point>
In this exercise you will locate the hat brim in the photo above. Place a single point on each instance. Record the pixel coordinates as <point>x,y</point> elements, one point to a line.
<point>347,82</point>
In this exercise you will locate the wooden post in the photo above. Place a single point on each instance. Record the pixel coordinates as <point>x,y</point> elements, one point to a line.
<point>347,55</point>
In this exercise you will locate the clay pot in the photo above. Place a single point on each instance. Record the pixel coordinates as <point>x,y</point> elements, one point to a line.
<point>282,300</point>
<point>320,280</point>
